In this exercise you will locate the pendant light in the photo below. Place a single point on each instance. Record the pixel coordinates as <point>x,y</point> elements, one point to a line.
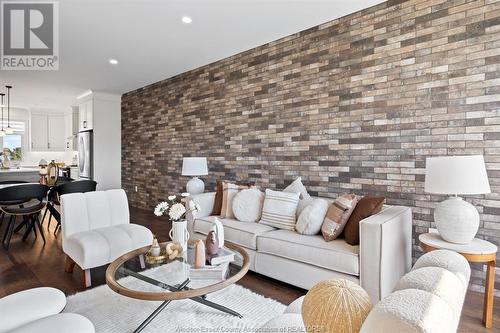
<point>2,132</point>
<point>8,130</point>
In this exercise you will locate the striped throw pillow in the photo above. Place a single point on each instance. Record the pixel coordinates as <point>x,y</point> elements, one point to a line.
<point>279,209</point>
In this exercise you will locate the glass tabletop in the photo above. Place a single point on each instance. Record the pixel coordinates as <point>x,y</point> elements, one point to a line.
<point>136,275</point>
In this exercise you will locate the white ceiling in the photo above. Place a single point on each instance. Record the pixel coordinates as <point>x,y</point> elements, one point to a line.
<point>151,43</point>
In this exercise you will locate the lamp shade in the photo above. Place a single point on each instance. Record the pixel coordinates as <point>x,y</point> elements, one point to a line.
<point>456,175</point>
<point>194,166</point>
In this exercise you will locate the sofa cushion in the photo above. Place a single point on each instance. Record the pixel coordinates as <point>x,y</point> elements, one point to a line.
<point>103,245</point>
<point>241,233</point>
<point>336,255</point>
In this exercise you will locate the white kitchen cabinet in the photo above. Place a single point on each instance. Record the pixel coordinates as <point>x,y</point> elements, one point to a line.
<point>39,133</point>
<point>48,132</point>
<point>86,110</point>
<point>72,129</point>
<point>56,133</point>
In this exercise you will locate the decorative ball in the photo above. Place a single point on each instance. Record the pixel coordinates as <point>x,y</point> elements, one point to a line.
<point>336,306</point>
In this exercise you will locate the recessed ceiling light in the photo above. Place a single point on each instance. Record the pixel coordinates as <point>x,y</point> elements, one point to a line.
<point>113,61</point>
<point>186,19</point>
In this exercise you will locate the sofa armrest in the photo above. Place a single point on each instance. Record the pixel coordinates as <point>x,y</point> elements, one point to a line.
<point>385,250</point>
<point>206,202</point>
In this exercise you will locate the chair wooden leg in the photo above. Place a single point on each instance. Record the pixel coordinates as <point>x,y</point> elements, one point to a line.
<point>7,228</point>
<point>37,222</point>
<point>30,226</point>
<point>87,281</point>
<point>69,265</point>
<point>9,232</point>
<point>43,218</point>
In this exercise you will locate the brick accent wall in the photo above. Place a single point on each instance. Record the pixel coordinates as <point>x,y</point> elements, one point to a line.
<point>355,104</point>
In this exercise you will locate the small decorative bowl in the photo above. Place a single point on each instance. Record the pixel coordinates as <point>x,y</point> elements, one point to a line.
<point>152,260</point>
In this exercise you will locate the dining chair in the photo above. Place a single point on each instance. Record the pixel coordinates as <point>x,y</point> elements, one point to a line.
<point>33,197</point>
<point>79,186</point>
<point>6,183</point>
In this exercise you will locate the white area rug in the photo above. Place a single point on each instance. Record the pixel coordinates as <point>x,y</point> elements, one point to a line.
<point>111,312</point>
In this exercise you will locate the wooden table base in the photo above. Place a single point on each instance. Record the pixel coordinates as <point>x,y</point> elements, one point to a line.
<point>489,293</point>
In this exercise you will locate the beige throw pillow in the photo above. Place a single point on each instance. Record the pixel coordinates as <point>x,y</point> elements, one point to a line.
<point>337,216</point>
<point>228,192</point>
<point>297,187</point>
<point>279,209</point>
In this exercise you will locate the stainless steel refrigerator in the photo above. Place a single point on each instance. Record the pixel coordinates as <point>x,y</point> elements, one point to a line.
<point>85,154</point>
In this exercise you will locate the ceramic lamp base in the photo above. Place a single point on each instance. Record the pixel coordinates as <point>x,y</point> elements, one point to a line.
<point>456,220</point>
<point>195,186</point>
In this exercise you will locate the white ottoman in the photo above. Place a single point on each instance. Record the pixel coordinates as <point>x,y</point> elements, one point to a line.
<point>438,281</point>
<point>60,323</point>
<point>30,305</point>
<point>449,260</point>
<point>410,311</point>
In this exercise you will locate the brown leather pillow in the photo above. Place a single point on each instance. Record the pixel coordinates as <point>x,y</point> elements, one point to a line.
<point>218,195</point>
<point>366,207</point>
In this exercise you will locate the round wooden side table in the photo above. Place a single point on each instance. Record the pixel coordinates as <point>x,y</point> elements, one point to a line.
<point>478,251</point>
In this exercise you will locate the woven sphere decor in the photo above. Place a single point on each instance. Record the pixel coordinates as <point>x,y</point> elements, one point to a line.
<point>335,306</point>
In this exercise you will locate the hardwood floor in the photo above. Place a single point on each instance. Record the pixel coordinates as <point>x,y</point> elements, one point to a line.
<point>30,264</point>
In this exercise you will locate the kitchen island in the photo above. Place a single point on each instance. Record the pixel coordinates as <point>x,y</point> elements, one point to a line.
<point>22,174</point>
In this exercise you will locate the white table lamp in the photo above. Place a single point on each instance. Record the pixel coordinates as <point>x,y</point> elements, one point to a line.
<point>456,220</point>
<point>195,166</point>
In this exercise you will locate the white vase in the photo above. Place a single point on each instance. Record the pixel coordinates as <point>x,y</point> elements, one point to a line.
<point>457,220</point>
<point>179,233</point>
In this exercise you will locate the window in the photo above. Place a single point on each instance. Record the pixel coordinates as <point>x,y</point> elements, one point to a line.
<point>12,145</point>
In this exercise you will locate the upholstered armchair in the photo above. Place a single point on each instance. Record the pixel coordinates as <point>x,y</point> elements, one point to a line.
<point>96,230</point>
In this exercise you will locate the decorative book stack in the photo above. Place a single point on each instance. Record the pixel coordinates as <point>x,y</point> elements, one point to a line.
<point>216,267</point>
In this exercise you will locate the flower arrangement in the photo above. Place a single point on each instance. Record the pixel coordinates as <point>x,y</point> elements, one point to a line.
<point>177,206</point>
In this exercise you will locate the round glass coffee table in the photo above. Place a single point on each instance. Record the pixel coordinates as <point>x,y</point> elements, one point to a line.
<point>130,275</point>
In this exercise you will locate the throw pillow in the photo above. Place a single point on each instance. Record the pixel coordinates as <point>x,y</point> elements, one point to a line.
<point>279,209</point>
<point>297,187</point>
<point>337,216</point>
<point>218,195</point>
<point>247,205</point>
<point>228,192</point>
<point>366,207</point>
<point>311,218</point>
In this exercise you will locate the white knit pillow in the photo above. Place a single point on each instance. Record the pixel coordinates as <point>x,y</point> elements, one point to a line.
<point>279,209</point>
<point>305,198</point>
<point>311,218</point>
<point>228,192</point>
<point>247,205</point>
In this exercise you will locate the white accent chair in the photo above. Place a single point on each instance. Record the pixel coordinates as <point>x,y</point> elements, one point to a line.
<point>96,229</point>
<point>38,310</point>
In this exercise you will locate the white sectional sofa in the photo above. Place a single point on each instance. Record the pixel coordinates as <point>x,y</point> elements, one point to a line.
<point>383,256</point>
